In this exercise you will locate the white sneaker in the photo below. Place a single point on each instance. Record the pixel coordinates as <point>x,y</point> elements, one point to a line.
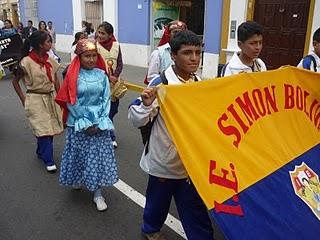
<point>51,168</point>
<point>101,204</point>
<point>115,144</point>
<point>76,186</point>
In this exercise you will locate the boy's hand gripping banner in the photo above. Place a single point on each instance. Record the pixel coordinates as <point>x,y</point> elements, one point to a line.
<point>250,143</point>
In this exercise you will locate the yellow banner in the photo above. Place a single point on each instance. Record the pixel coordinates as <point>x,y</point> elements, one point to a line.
<point>232,132</point>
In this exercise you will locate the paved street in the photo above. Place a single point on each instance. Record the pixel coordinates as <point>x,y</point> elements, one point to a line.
<point>32,203</point>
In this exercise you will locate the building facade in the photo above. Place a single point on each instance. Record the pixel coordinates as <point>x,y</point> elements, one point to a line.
<point>59,12</point>
<point>9,9</point>
<point>288,25</point>
<point>139,25</point>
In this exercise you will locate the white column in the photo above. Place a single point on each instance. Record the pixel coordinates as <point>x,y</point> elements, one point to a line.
<point>78,14</point>
<point>110,14</point>
<point>210,65</point>
<point>238,12</point>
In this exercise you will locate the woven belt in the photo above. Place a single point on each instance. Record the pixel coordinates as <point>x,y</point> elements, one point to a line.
<point>38,92</point>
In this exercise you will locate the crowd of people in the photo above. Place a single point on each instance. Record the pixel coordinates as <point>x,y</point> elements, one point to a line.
<point>7,29</point>
<point>85,107</point>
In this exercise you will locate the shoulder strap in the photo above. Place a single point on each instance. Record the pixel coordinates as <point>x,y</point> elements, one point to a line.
<point>257,64</point>
<point>150,126</point>
<point>164,80</point>
<point>313,60</point>
<point>195,77</point>
<point>223,70</point>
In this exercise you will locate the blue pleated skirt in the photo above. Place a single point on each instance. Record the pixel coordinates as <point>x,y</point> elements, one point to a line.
<point>88,160</point>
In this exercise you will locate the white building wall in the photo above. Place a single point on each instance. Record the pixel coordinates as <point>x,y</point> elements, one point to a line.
<point>210,66</point>
<point>316,22</point>
<point>135,54</point>
<point>238,12</point>
<point>64,43</point>
<point>110,14</point>
<point>31,11</point>
<point>78,14</point>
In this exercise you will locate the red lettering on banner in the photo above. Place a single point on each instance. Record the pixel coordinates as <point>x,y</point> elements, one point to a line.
<point>289,96</point>
<point>297,98</point>
<point>253,105</point>
<point>247,108</point>
<point>230,209</point>
<point>223,181</point>
<point>259,102</point>
<point>317,117</point>
<point>314,103</point>
<point>229,129</point>
<point>236,116</point>
<point>226,183</point>
<point>305,96</point>
<point>271,99</point>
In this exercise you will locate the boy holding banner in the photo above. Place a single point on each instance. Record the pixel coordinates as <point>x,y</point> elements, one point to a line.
<point>167,176</point>
<point>312,60</point>
<point>250,43</point>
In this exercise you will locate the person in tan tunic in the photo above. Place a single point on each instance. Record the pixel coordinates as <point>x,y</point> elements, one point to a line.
<point>39,74</point>
<point>109,49</point>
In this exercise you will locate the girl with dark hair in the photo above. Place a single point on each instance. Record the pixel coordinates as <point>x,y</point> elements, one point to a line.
<point>20,28</point>
<point>78,36</point>
<point>42,26</point>
<point>89,30</point>
<point>88,157</point>
<point>39,74</point>
<point>8,24</point>
<point>110,50</point>
<point>8,29</point>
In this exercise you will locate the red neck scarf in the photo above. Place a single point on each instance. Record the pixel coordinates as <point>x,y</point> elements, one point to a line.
<point>42,62</point>
<point>107,44</point>
<point>68,90</point>
<point>176,24</point>
<point>165,37</point>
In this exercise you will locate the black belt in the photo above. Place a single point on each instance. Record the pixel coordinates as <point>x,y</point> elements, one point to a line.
<point>38,92</point>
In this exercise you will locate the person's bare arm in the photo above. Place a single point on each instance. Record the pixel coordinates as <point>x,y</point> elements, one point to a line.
<point>17,87</point>
<point>57,82</point>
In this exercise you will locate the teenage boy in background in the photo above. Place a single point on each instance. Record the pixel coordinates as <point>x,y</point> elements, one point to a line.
<point>312,61</point>
<point>250,42</point>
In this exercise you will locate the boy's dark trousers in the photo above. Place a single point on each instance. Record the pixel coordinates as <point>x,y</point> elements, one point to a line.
<point>45,149</point>
<point>113,111</point>
<point>192,211</point>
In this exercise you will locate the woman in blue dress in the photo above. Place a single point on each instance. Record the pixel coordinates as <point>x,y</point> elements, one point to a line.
<point>88,157</point>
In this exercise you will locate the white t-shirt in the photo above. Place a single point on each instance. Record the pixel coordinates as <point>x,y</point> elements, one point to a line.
<point>235,66</point>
